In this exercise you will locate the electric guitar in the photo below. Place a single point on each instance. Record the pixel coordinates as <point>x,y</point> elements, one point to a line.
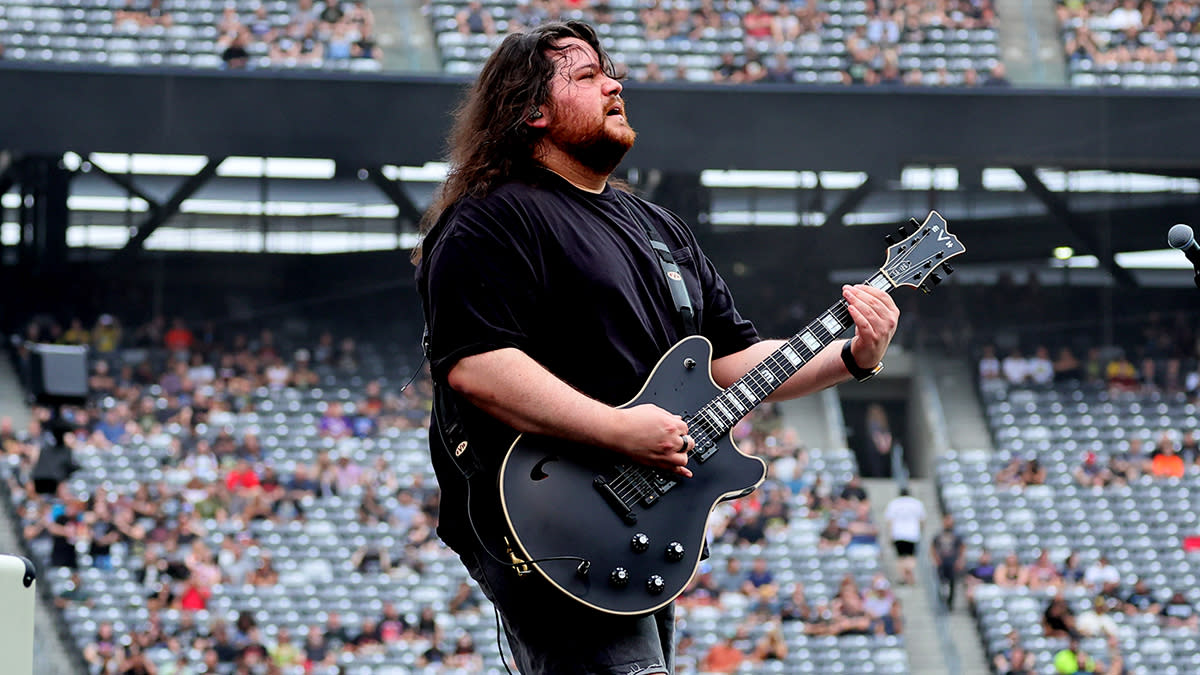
<point>625,538</point>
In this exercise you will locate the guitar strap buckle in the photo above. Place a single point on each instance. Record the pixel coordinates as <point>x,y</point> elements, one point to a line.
<point>519,565</point>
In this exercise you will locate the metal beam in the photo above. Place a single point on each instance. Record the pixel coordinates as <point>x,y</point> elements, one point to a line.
<point>1057,206</point>
<point>156,218</point>
<point>127,183</point>
<point>850,202</point>
<point>409,216</point>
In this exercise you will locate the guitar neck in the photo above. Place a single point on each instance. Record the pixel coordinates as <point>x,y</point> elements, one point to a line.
<point>724,411</point>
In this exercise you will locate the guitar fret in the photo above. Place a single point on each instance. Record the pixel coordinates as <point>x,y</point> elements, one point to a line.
<point>747,393</point>
<point>831,324</point>
<point>791,355</point>
<point>811,342</point>
<point>733,401</point>
<point>725,411</point>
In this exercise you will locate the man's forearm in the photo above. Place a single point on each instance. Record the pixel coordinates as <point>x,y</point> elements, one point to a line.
<point>510,386</point>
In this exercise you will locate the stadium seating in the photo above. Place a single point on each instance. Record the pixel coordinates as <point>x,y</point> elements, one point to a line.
<point>88,32</point>
<point>1105,50</point>
<point>817,59</point>
<point>1139,527</point>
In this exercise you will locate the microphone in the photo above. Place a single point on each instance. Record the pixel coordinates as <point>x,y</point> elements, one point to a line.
<point>1182,238</point>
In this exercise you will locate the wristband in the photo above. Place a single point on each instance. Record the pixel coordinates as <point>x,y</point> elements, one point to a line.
<point>856,371</point>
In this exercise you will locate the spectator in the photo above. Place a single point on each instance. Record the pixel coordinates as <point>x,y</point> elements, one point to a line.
<point>1010,573</point>
<point>1141,600</point>
<point>997,76</point>
<point>1058,621</point>
<point>1101,572</point>
<point>1096,620</point>
<point>948,553</point>
<point>905,516</point>
<point>284,653</point>
<point>989,365</point>
<point>723,657</point>
<point>474,19</point>
<point>1165,462</point>
<point>1067,368</point>
<point>1015,368</point>
<point>1177,612</point>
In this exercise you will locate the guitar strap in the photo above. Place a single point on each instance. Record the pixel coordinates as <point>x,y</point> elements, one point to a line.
<point>679,291</point>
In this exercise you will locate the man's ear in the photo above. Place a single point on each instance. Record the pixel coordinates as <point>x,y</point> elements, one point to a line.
<point>536,118</point>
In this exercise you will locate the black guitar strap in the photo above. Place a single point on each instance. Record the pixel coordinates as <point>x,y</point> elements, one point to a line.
<point>679,291</point>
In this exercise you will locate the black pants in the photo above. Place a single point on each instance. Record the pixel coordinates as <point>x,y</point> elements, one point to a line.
<point>947,582</point>
<point>552,634</point>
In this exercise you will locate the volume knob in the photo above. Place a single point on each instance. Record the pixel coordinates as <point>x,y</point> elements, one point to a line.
<point>640,542</point>
<point>655,585</point>
<point>674,551</point>
<point>619,577</point>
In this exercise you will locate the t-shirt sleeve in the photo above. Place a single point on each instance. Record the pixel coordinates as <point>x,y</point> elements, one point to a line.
<point>723,325</point>
<point>482,282</point>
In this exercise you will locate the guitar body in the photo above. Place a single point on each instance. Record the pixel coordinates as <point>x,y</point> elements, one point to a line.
<point>564,499</point>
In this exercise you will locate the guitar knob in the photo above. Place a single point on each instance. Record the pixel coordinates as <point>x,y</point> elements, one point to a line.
<point>674,551</point>
<point>639,543</point>
<point>619,577</point>
<point>655,585</point>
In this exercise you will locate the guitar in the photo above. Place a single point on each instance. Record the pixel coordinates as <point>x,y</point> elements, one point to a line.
<point>625,538</point>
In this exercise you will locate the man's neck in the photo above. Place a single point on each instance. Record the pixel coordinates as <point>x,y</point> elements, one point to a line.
<point>573,172</point>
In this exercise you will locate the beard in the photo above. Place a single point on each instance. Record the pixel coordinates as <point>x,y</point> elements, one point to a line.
<point>597,147</point>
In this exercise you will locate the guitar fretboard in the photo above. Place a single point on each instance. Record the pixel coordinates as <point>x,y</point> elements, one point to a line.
<point>723,412</point>
<point>637,483</point>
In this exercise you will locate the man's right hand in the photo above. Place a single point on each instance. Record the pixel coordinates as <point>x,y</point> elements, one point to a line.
<point>652,436</point>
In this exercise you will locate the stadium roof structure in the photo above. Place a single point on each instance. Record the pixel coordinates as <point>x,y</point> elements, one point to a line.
<point>1018,172</point>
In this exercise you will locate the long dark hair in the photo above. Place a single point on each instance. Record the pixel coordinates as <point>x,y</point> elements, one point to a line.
<point>490,143</point>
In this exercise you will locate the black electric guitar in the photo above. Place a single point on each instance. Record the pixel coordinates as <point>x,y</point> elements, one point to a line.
<point>625,538</point>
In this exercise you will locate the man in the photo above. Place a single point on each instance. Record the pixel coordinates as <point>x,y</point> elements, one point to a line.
<point>547,307</point>
<point>905,515</point>
<point>948,552</point>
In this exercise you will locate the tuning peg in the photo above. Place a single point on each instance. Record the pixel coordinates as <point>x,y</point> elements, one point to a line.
<point>890,239</point>
<point>925,288</point>
<point>902,231</point>
<point>947,268</point>
<point>914,222</point>
<point>934,279</point>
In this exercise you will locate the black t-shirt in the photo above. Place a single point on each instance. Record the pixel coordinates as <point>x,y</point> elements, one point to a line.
<point>569,278</point>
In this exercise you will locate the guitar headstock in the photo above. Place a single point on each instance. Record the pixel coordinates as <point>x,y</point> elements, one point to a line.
<point>922,255</point>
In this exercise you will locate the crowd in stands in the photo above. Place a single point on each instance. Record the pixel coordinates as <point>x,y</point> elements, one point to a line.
<point>1090,607</point>
<point>1129,42</point>
<point>329,33</point>
<point>871,42</point>
<point>192,533</point>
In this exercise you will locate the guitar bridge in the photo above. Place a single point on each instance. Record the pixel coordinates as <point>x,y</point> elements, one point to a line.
<point>520,565</point>
<point>614,500</point>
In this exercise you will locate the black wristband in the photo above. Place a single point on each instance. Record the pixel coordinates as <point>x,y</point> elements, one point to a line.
<point>856,371</point>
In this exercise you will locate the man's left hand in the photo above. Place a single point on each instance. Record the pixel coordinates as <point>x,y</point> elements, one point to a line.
<point>875,318</point>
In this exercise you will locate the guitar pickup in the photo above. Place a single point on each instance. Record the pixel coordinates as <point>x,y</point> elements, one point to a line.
<point>705,451</point>
<point>615,501</point>
<point>662,484</point>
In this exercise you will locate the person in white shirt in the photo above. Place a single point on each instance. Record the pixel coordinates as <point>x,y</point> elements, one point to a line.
<point>1096,620</point>
<point>989,365</point>
<point>1015,368</point>
<point>1040,368</point>
<point>905,515</point>
<point>1100,573</point>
